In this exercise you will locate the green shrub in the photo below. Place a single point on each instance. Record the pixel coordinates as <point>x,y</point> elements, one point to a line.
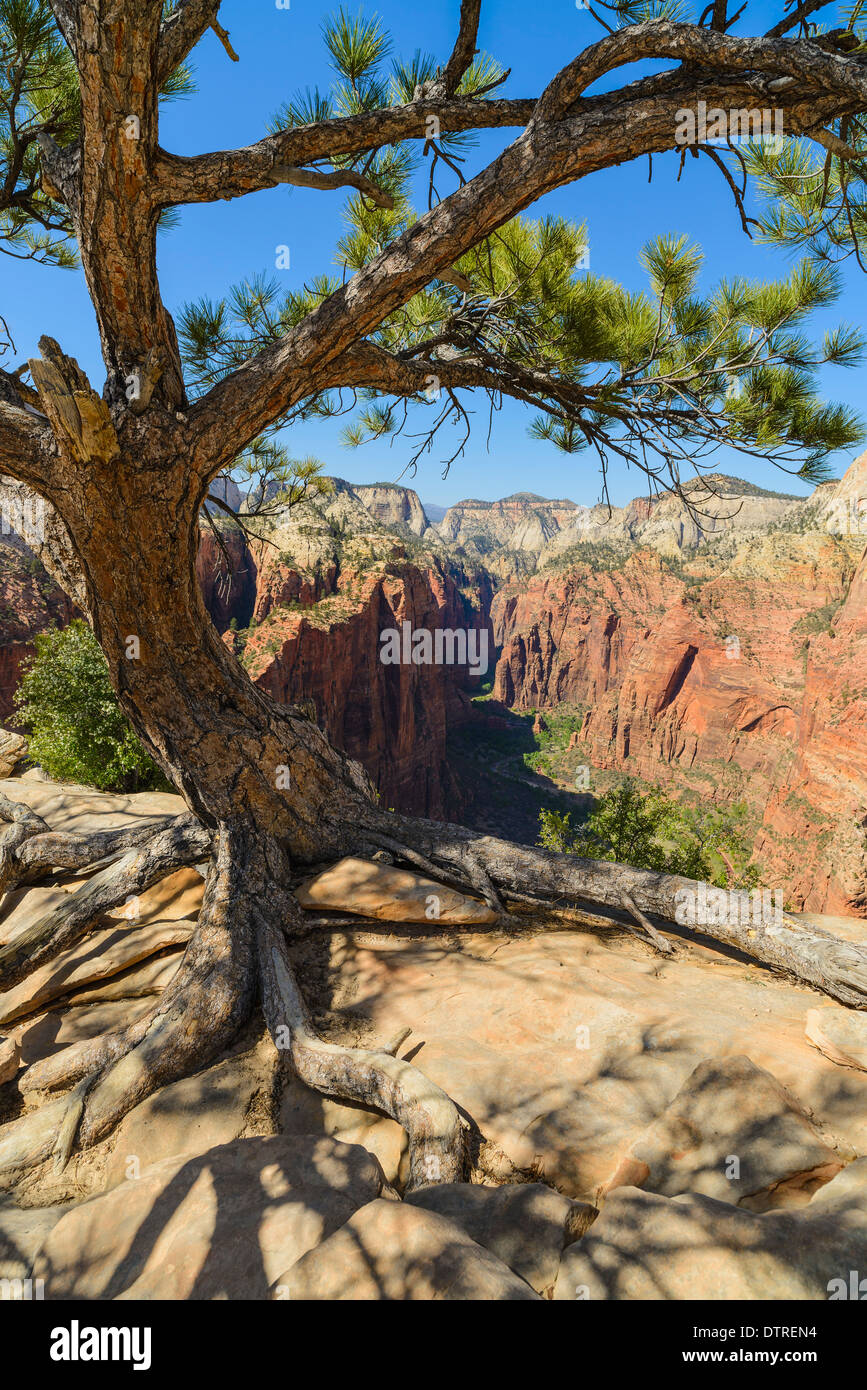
<point>76,728</point>
<point>651,831</point>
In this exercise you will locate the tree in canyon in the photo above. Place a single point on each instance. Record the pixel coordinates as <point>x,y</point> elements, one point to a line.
<point>466,297</point>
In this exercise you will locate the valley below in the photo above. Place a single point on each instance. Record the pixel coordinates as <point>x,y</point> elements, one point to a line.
<point>714,645</point>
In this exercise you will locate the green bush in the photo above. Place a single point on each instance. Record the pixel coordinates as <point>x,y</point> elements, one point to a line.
<point>651,831</point>
<point>76,728</point>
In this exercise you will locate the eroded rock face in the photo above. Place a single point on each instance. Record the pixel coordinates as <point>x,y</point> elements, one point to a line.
<point>650,1247</point>
<point>222,1225</point>
<point>13,752</point>
<point>326,650</point>
<point>391,1251</point>
<point>523,522</point>
<point>392,505</point>
<point>813,832</point>
<point>697,680</point>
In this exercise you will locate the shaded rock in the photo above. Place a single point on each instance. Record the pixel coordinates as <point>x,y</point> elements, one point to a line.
<point>303,1111</point>
<point>22,1232</point>
<point>52,1032</point>
<point>13,752</point>
<point>191,1117</point>
<point>176,898</point>
<point>221,1225</point>
<point>10,1058</point>
<point>840,1033</point>
<point>139,981</point>
<point>389,894</point>
<point>98,956</point>
<point>845,1196</point>
<point>397,1252</point>
<point>644,1246</point>
<point>525,1225</point>
<point>21,907</point>
<point>732,1133</point>
<point>69,807</point>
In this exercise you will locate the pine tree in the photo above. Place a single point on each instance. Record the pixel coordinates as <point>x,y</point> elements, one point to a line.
<point>465,296</point>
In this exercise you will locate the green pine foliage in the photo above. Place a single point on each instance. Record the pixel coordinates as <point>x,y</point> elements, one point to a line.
<point>661,377</point>
<point>40,99</point>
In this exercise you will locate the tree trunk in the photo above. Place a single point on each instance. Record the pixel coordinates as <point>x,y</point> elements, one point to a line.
<point>273,793</point>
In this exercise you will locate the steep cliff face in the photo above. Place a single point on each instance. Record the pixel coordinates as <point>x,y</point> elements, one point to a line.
<point>393,506</point>
<point>717,675</point>
<point>327,650</point>
<point>226,572</point>
<point>522,522</point>
<point>814,833</point>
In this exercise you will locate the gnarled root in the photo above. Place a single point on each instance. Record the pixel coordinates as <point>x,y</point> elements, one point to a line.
<point>23,825</point>
<point>195,1018</point>
<point>183,842</point>
<point>437,1146</point>
<point>828,963</point>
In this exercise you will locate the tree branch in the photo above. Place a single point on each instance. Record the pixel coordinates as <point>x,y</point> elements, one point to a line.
<point>27,447</point>
<point>232,173</point>
<point>179,34</point>
<point>605,131</point>
<point>462,54</point>
<point>801,59</point>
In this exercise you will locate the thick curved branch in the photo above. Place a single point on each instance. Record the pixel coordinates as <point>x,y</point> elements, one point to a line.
<point>609,131</point>
<point>27,447</point>
<point>801,59</point>
<point>233,173</point>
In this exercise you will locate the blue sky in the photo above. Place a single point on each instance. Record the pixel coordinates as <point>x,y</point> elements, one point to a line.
<point>281,51</point>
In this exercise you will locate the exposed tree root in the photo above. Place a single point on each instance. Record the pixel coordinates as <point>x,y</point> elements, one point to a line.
<point>23,825</point>
<point>195,1018</point>
<point>82,852</point>
<point>247,915</point>
<point>184,842</point>
<point>828,963</point>
<point>377,1079</point>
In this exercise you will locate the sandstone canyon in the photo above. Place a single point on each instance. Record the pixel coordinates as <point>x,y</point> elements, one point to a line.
<point>717,647</point>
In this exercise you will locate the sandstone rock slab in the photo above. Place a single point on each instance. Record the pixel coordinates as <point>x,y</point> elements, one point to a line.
<point>22,1232</point>
<point>526,1225</point>
<point>221,1225</point>
<point>394,1251</point>
<point>190,1117</point>
<point>381,891</point>
<point>304,1111</point>
<point>100,955</point>
<point>732,1133</point>
<point>840,1033</point>
<point>13,752</point>
<point>59,1028</point>
<point>645,1246</point>
<point>10,1059</point>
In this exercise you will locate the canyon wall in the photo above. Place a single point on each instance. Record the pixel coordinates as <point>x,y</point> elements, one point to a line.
<point>30,603</point>
<point>327,650</point>
<point>741,677</point>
